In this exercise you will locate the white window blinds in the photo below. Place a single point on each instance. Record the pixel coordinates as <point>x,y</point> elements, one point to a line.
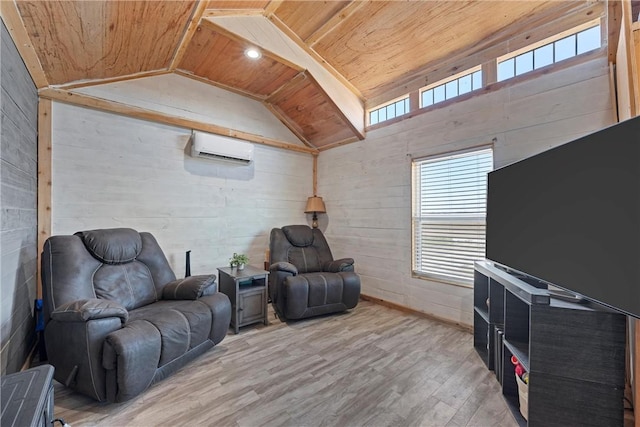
<point>449,210</point>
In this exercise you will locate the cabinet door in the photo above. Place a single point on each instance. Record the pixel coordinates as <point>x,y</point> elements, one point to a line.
<point>251,306</point>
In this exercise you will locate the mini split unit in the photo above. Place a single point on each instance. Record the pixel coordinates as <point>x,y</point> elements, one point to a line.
<point>218,147</point>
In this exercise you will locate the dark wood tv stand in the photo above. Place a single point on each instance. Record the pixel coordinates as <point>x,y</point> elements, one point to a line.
<point>574,352</point>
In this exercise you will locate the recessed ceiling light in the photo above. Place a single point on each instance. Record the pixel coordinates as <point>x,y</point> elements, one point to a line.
<point>253,53</point>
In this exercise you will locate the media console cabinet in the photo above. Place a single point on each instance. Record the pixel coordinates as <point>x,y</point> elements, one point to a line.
<point>574,352</point>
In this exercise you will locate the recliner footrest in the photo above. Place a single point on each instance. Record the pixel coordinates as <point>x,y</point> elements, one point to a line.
<point>313,294</point>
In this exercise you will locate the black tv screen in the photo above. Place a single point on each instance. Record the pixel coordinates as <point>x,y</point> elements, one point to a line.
<point>570,216</point>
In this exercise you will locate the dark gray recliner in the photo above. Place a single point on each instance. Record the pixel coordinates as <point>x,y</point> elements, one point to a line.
<point>117,320</point>
<point>304,278</point>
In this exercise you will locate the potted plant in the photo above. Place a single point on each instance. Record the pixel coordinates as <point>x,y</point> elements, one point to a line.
<point>238,260</point>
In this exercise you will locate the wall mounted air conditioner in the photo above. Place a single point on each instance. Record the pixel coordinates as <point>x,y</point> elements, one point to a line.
<point>218,147</point>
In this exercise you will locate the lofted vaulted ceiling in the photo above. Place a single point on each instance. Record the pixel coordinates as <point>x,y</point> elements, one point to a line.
<point>372,51</point>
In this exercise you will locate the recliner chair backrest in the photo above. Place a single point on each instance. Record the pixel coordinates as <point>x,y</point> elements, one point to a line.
<point>118,264</point>
<point>300,245</point>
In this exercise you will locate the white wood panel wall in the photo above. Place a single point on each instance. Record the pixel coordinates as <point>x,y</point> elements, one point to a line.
<point>187,98</point>
<point>114,171</point>
<point>367,189</point>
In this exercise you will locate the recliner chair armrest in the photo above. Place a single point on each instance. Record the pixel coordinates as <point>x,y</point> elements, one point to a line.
<point>131,356</point>
<point>335,266</point>
<point>287,267</point>
<point>278,272</point>
<point>189,288</point>
<point>89,309</point>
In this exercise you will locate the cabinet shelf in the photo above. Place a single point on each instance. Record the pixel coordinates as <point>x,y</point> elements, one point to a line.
<point>251,284</point>
<point>482,313</point>
<point>574,353</point>
<point>520,350</point>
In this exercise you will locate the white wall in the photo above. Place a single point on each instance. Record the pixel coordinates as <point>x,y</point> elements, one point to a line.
<point>187,98</point>
<point>115,171</point>
<point>367,189</point>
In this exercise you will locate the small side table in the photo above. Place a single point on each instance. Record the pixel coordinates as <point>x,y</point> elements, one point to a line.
<point>247,290</point>
<point>27,398</point>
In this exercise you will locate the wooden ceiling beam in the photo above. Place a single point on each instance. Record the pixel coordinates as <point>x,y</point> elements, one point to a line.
<point>614,22</point>
<point>15,25</point>
<point>337,19</point>
<point>219,55</point>
<point>510,39</point>
<point>338,144</point>
<point>290,124</point>
<point>343,116</point>
<point>194,21</point>
<point>233,36</point>
<point>95,82</point>
<point>319,59</point>
<point>277,95</point>
<point>310,112</point>
<point>212,13</point>
<point>260,31</point>
<point>272,7</point>
<point>205,80</point>
<point>158,117</point>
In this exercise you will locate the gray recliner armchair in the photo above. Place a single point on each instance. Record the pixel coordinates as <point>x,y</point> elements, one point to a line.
<point>117,320</point>
<point>304,278</point>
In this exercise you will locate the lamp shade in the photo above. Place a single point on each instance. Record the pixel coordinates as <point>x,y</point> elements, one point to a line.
<point>315,204</point>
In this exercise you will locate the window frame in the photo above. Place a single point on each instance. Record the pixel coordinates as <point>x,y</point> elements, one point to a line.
<point>490,72</point>
<point>574,31</point>
<point>444,82</point>
<point>416,219</point>
<point>407,100</point>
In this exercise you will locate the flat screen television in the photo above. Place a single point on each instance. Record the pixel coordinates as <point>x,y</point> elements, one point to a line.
<point>570,216</point>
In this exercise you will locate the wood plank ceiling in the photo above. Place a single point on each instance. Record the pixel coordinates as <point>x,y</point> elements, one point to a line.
<point>375,48</point>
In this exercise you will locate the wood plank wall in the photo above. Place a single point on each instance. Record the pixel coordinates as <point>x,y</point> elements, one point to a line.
<point>18,197</point>
<point>115,171</point>
<point>187,98</point>
<point>367,189</point>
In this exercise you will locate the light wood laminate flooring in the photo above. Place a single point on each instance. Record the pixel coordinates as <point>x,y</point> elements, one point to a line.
<point>372,366</point>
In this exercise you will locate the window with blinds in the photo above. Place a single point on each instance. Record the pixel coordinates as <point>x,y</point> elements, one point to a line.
<point>449,210</point>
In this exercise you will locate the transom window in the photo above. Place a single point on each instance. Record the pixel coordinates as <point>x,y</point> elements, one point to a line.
<point>568,44</point>
<point>449,211</point>
<point>451,89</point>
<point>390,111</point>
<point>550,53</point>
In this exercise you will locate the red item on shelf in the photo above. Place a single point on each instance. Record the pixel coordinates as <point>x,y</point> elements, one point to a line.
<point>519,370</point>
<point>518,367</point>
